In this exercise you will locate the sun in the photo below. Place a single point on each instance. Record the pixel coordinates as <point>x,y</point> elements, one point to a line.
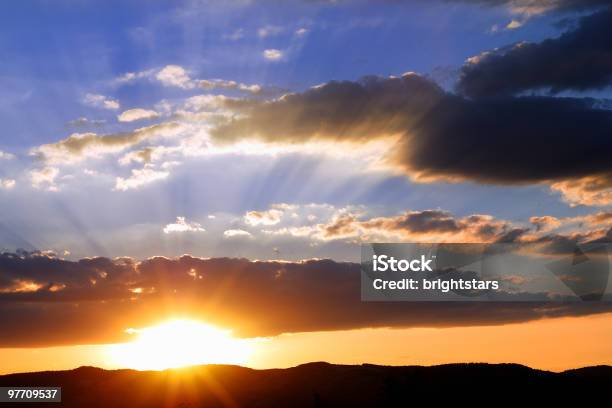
<point>179,343</point>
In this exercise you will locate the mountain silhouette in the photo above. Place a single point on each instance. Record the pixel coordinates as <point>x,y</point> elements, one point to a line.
<point>318,385</point>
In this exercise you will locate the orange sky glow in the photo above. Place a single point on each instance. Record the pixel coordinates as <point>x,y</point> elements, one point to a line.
<point>550,344</point>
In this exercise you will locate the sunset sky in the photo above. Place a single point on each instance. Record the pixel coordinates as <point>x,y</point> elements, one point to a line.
<point>221,162</point>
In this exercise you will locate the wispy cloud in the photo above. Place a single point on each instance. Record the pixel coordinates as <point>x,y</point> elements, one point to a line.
<point>7,184</point>
<point>235,35</point>
<point>178,76</point>
<point>269,31</point>
<point>6,156</point>
<point>101,101</point>
<point>85,122</point>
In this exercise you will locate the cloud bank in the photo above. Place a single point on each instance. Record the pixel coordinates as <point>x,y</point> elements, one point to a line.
<point>440,136</point>
<point>46,301</point>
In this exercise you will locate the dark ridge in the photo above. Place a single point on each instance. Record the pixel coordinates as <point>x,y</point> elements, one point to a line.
<point>319,384</point>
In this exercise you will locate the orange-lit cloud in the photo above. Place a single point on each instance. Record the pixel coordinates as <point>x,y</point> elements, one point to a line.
<point>46,300</point>
<point>592,190</point>
<point>423,226</point>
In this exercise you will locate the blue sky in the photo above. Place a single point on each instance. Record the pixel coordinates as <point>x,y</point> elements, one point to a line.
<point>63,72</point>
<point>69,48</point>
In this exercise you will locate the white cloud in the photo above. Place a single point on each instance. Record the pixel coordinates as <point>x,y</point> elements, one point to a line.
<point>269,31</point>
<point>182,225</point>
<point>7,184</point>
<point>233,233</point>
<point>44,178</point>
<point>101,101</point>
<point>174,75</point>
<point>6,156</point>
<point>131,115</point>
<point>300,32</point>
<point>139,178</point>
<point>273,54</point>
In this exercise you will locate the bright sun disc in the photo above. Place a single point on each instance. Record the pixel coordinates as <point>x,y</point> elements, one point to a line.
<point>179,343</point>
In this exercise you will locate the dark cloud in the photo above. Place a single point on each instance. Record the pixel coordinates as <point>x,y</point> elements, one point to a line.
<point>511,140</point>
<point>500,139</point>
<point>428,221</point>
<point>543,223</point>
<point>606,239</point>
<point>437,135</point>
<point>578,60</point>
<point>512,235</point>
<point>532,6</point>
<point>563,5</point>
<point>99,298</point>
<point>423,225</point>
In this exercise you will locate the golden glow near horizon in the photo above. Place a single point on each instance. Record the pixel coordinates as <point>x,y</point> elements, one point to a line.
<point>179,343</point>
<point>549,344</point>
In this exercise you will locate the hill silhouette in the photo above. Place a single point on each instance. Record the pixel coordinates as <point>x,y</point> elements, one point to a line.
<point>318,385</point>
